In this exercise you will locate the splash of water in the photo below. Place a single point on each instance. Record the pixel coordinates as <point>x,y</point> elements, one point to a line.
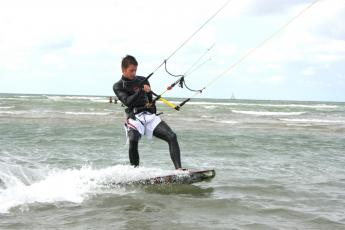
<point>72,185</point>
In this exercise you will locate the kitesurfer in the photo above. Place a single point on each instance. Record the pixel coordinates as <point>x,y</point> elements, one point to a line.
<point>135,93</point>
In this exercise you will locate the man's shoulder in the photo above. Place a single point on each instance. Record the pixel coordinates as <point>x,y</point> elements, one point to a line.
<point>118,84</point>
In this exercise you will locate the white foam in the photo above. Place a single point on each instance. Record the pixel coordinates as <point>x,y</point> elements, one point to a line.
<point>210,107</point>
<point>14,112</point>
<point>40,112</point>
<point>227,122</point>
<point>74,185</point>
<point>23,97</point>
<point>88,98</point>
<point>212,103</point>
<point>313,120</point>
<point>206,116</point>
<point>100,100</point>
<point>6,107</point>
<point>10,98</point>
<point>31,96</point>
<point>265,113</point>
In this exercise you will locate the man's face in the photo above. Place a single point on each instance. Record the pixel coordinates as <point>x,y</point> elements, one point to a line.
<point>130,72</point>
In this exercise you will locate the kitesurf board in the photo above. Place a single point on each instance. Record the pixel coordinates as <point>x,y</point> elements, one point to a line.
<point>189,176</point>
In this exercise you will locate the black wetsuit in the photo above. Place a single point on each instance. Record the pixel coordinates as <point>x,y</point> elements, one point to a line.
<point>131,94</point>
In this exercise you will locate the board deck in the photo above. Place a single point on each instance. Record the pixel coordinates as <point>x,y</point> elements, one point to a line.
<point>191,176</point>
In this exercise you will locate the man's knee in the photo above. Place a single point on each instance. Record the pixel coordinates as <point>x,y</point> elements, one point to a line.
<point>133,135</point>
<point>164,132</point>
<point>172,136</point>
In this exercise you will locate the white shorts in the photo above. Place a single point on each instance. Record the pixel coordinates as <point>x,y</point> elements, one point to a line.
<point>145,123</point>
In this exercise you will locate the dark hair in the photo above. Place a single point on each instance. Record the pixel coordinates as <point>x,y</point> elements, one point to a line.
<point>128,60</point>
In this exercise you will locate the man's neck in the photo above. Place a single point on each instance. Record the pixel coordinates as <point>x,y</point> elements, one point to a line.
<point>128,79</point>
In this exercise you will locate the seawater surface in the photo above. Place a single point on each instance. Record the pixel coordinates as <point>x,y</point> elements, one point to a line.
<point>279,164</point>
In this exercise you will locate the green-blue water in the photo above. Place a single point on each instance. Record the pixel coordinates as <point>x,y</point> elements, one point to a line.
<point>280,165</point>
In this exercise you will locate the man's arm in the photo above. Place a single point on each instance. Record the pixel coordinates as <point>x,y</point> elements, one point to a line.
<point>124,97</point>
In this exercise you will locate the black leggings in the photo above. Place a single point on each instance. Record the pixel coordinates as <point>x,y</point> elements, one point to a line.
<point>162,131</point>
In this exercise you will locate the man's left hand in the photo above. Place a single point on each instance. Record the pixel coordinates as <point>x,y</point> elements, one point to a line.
<point>147,88</point>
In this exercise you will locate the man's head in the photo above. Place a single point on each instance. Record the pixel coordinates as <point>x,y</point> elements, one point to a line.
<point>129,67</point>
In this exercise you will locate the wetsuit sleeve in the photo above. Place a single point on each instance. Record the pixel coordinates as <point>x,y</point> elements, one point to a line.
<point>146,82</point>
<point>123,96</point>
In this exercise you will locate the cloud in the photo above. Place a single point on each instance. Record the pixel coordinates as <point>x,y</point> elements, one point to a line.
<point>59,44</point>
<point>53,60</point>
<point>309,71</point>
<point>39,37</point>
<point>307,39</point>
<point>266,7</point>
<point>275,78</point>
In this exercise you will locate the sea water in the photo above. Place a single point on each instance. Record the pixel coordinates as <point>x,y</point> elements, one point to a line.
<point>64,163</point>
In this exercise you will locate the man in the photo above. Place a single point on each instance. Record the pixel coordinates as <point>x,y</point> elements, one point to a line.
<point>135,93</point>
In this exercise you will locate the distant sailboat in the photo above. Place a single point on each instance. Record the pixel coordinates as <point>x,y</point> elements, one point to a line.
<point>233,97</point>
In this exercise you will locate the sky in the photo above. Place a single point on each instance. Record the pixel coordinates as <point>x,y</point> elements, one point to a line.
<point>75,47</point>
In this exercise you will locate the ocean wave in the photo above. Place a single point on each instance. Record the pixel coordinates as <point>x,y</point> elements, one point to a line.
<point>41,112</point>
<point>206,116</point>
<point>23,97</point>
<point>6,107</point>
<point>204,103</point>
<point>11,98</point>
<point>88,113</point>
<point>14,112</point>
<point>25,112</point>
<point>100,100</point>
<point>80,98</point>
<point>318,106</point>
<point>227,122</point>
<point>315,106</point>
<point>74,185</point>
<point>210,107</point>
<point>312,120</point>
<point>31,96</point>
<point>212,119</point>
<point>265,113</point>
